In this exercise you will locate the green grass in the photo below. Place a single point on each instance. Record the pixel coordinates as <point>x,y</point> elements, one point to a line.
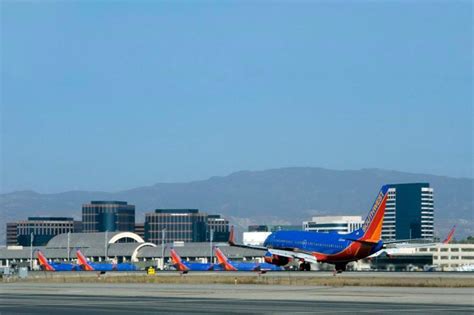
<point>440,282</point>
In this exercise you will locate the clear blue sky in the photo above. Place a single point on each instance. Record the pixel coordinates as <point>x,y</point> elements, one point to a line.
<point>109,95</point>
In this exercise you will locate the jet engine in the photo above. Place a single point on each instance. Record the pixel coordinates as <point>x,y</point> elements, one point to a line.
<point>276,259</point>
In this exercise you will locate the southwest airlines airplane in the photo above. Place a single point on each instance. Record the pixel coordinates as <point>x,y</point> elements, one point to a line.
<point>52,266</point>
<point>334,248</point>
<point>186,266</point>
<point>229,265</point>
<point>89,266</point>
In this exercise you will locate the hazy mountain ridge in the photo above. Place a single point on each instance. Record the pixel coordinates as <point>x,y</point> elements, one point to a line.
<point>271,196</point>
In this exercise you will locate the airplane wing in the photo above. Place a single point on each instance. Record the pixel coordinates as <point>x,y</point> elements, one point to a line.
<point>293,254</point>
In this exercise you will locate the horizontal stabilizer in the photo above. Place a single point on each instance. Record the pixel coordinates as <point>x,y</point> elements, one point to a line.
<point>362,241</point>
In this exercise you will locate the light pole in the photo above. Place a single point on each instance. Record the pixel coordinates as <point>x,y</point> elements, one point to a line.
<point>163,234</point>
<point>68,245</point>
<point>105,245</point>
<point>31,250</point>
<point>211,235</point>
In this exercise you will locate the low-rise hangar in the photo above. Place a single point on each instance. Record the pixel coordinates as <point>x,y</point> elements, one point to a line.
<point>119,247</point>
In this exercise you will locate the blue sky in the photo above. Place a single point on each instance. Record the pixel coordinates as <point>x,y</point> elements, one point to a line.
<point>110,95</point>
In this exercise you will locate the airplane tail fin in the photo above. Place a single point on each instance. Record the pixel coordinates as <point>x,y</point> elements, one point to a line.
<point>43,261</point>
<point>175,257</point>
<point>372,227</point>
<point>83,262</point>
<point>231,240</point>
<point>450,235</point>
<point>221,258</point>
<point>177,262</point>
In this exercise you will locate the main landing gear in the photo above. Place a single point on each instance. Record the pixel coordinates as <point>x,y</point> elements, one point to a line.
<point>305,266</point>
<point>339,268</point>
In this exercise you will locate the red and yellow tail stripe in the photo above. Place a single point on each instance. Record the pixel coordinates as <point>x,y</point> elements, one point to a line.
<point>44,262</point>
<point>177,262</point>
<point>82,260</point>
<point>450,235</point>
<point>223,261</point>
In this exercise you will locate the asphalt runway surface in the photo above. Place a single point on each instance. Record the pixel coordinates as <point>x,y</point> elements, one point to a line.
<point>80,298</point>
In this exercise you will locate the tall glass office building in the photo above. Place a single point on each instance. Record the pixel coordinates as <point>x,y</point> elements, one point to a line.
<point>409,212</point>
<point>186,225</point>
<point>43,229</point>
<point>110,216</point>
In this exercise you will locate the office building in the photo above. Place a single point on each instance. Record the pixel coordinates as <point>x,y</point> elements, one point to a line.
<point>110,216</point>
<point>219,227</point>
<point>184,225</point>
<point>258,228</point>
<point>284,227</point>
<point>409,213</point>
<point>140,229</point>
<point>273,228</point>
<point>255,238</point>
<point>341,224</point>
<point>43,229</point>
<point>11,234</point>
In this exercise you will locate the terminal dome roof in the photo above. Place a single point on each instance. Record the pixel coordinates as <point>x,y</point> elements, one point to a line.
<point>91,240</point>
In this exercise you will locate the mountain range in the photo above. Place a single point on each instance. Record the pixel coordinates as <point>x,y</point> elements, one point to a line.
<point>275,196</point>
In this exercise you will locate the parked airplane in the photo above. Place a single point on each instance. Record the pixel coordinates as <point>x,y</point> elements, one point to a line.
<point>186,266</point>
<point>86,265</point>
<point>229,265</point>
<point>333,248</point>
<point>53,266</point>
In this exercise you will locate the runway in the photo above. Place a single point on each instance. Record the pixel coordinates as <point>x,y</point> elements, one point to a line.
<point>77,298</point>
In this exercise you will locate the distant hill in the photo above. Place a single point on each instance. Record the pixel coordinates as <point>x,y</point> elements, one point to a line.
<point>275,196</point>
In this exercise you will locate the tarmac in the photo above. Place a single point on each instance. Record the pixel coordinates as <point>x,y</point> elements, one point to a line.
<point>79,298</point>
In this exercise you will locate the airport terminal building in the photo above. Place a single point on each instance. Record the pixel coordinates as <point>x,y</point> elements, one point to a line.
<point>119,247</point>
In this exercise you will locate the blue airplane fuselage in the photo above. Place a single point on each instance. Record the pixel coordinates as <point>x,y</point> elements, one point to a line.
<point>196,266</point>
<point>324,246</point>
<point>113,267</point>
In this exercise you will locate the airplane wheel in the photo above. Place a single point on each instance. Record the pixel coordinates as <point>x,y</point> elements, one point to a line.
<point>307,266</point>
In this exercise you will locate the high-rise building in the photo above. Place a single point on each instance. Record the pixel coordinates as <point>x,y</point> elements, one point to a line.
<point>43,229</point>
<point>409,213</point>
<point>341,224</point>
<point>185,225</point>
<point>284,227</point>
<point>273,228</point>
<point>140,229</point>
<point>219,226</point>
<point>258,228</point>
<point>11,234</point>
<point>111,216</point>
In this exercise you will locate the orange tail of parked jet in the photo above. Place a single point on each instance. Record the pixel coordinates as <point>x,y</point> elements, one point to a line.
<point>43,261</point>
<point>223,261</point>
<point>83,262</point>
<point>177,262</point>
<point>450,236</point>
